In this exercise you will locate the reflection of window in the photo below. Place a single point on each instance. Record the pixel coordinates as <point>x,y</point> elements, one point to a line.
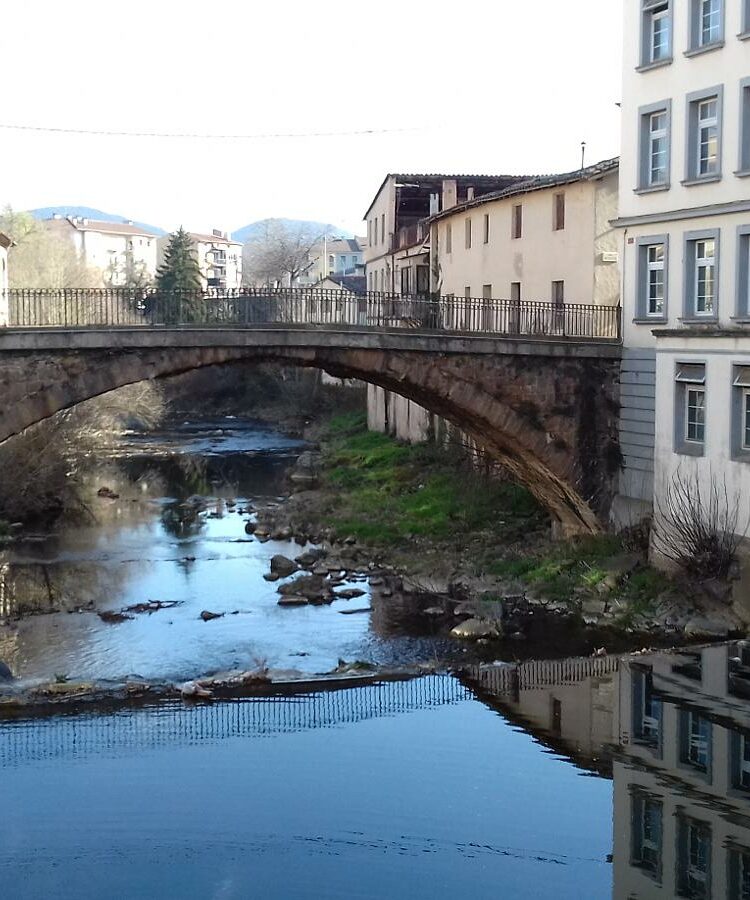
<point>695,740</point>
<point>693,859</point>
<point>647,709</point>
<point>646,838</point>
<point>739,873</point>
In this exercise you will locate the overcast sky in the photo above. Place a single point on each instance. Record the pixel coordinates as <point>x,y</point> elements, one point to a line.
<point>487,87</point>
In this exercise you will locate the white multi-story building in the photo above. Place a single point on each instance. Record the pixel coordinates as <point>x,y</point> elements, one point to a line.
<point>219,258</point>
<point>117,249</point>
<point>685,217</point>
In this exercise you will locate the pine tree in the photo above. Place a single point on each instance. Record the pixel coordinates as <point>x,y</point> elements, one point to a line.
<point>180,270</point>
<point>178,282</point>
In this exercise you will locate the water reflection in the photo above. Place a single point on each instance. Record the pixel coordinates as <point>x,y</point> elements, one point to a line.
<point>674,731</point>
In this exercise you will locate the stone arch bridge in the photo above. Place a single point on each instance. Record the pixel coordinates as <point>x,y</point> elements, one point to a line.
<point>544,408</point>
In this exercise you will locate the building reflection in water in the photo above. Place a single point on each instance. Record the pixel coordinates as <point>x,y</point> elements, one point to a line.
<point>673,729</point>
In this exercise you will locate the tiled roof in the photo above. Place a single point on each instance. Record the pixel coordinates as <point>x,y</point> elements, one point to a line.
<point>108,227</point>
<point>210,238</point>
<point>536,183</point>
<point>357,284</point>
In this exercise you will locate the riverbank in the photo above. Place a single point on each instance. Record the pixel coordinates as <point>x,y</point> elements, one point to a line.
<point>475,553</point>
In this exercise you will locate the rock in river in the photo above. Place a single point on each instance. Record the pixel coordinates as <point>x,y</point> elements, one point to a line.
<point>282,565</point>
<point>349,594</point>
<point>474,629</point>
<point>207,615</point>
<point>5,673</point>
<point>293,600</point>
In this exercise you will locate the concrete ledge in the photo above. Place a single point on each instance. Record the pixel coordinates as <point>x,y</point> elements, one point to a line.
<point>141,338</point>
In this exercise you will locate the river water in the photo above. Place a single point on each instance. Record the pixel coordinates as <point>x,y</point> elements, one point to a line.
<point>587,777</point>
<point>176,533</point>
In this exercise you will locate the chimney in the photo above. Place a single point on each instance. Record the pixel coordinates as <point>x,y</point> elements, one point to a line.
<point>469,193</point>
<point>129,222</point>
<point>434,204</point>
<point>450,193</point>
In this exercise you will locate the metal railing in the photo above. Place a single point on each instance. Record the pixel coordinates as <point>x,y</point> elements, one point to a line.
<point>310,308</point>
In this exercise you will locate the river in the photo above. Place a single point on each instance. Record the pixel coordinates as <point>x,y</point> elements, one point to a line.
<point>588,777</point>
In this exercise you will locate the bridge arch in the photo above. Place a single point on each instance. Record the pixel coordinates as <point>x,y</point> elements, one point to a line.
<point>545,411</point>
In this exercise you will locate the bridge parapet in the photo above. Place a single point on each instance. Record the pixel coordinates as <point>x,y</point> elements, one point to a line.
<point>311,308</point>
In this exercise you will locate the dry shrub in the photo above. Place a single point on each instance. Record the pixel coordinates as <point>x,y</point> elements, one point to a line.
<point>699,527</point>
<point>41,468</point>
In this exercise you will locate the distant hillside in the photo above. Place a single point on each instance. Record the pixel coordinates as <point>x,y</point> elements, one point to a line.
<point>88,212</point>
<point>248,232</point>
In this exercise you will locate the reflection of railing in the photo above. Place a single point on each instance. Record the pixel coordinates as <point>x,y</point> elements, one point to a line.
<point>174,724</point>
<point>508,679</point>
<point>309,307</point>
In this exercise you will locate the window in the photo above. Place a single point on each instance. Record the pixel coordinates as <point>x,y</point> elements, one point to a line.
<point>517,221</point>
<point>486,291</point>
<point>656,33</point>
<point>652,275</point>
<point>695,730</point>
<point>515,291</point>
<point>405,286</point>
<point>690,431</point>
<point>558,293</point>
<point>703,155</point>
<point>382,228</point>
<point>741,416</point>
<point>745,19</point>
<point>693,858</point>
<point>449,238</point>
<point>646,838</point>
<point>467,292</point>
<point>467,228</point>
<point>486,228</point>
<point>701,275</point>
<point>706,25</point>
<point>655,146</point>
<point>558,220</point>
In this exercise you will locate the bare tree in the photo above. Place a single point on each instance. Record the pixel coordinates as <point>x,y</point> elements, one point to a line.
<point>699,525</point>
<point>43,257</point>
<point>280,254</point>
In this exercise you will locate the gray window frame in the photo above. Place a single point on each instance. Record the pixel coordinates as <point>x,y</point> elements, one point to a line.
<point>745,26</point>
<point>684,823</point>
<point>742,269</point>
<point>641,308</point>
<point>644,55</point>
<point>448,238</point>
<point>740,452</point>
<point>486,229</point>
<point>644,147</point>
<point>639,799</point>
<point>694,29</point>
<point>691,238</point>
<point>680,442</point>
<point>467,233</point>
<point>692,102</point>
<point>743,160</point>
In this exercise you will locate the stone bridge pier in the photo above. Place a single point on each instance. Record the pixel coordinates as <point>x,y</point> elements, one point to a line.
<point>545,409</point>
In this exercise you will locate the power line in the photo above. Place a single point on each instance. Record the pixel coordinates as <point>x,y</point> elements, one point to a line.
<point>197,136</point>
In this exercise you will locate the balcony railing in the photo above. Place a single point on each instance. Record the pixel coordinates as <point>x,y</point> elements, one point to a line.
<point>308,307</point>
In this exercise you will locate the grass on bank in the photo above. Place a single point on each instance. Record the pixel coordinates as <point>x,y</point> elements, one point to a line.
<point>391,491</point>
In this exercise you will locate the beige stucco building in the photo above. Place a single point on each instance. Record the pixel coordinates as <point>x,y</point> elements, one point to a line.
<point>114,248</point>
<point>684,217</point>
<point>547,238</point>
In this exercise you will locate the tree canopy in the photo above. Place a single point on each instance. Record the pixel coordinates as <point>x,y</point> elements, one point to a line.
<point>280,254</point>
<point>179,270</point>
